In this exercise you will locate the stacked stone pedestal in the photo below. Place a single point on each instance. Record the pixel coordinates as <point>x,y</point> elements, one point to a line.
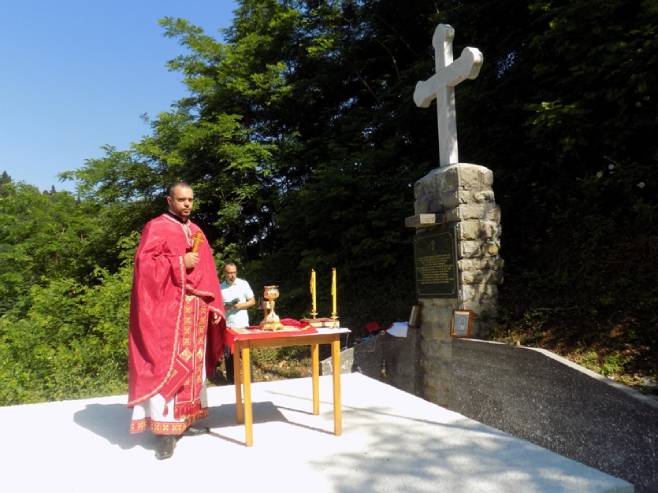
<point>462,196</point>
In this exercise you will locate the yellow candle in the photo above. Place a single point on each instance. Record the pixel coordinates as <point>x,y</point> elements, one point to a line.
<point>333,293</point>
<point>314,309</point>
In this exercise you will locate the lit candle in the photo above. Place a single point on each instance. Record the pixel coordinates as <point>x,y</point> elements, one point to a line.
<point>334,313</point>
<point>314,308</point>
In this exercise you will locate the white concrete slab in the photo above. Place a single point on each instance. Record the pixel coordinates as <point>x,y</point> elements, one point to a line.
<point>392,442</point>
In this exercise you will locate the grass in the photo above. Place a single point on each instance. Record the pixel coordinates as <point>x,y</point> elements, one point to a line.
<point>279,363</point>
<point>275,364</point>
<point>619,350</point>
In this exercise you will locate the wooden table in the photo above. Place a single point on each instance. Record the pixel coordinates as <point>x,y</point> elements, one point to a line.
<point>243,344</point>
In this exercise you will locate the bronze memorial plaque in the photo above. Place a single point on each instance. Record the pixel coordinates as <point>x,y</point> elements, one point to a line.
<point>436,264</point>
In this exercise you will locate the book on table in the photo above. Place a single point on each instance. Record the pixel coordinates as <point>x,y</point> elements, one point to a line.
<point>322,322</point>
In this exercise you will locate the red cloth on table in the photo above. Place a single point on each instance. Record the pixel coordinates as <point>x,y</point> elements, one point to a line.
<point>160,284</point>
<point>255,332</point>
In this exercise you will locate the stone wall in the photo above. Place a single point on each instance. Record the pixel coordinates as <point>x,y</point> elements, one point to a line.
<point>393,360</point>
<point>462,196</point>
<point>537,395</point>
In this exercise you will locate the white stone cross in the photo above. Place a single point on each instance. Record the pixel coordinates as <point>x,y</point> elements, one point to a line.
<point>441,86</point>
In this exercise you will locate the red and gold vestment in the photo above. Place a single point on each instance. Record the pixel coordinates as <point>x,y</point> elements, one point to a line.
<point>173,341</point>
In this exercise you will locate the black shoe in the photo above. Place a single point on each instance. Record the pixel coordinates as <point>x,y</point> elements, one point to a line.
<point>166,446</point>
<point>194,431</point>
<point>218,379</point>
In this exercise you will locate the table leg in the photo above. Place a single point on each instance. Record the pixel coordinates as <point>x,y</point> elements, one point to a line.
<point>315,359</point>
<point>335,364</point>
<point>237,381</point>
<point>246,375</point>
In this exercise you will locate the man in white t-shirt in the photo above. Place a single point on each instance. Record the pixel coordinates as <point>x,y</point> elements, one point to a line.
<point>238,298</point>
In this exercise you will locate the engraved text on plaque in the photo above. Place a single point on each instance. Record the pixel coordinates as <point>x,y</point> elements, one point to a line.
<point>436,264</point>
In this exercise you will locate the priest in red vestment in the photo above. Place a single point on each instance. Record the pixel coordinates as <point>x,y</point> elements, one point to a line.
<point>176,324</point>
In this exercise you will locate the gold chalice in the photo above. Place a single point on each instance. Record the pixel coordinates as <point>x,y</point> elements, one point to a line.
<point>271,319</point>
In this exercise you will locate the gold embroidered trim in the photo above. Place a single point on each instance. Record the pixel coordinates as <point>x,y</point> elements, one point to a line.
<point>186,355</point>
<point>164,427</point>
<point>181,267</point>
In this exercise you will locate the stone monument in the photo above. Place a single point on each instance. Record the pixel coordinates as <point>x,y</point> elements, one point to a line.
<point>457,224</point>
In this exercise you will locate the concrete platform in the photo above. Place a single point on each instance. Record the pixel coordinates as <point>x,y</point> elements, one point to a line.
<point>392,442</point>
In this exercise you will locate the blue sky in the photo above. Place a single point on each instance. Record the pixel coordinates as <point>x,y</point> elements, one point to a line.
<point>77,74</point>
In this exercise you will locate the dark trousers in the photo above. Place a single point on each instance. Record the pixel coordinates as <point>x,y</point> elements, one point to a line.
<point>228,366</point>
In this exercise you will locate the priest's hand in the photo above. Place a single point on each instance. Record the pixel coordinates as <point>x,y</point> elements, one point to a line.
<point>190,260</point>
<point>216,317</point>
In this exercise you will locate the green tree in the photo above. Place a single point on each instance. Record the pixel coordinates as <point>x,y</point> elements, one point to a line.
<point>63,317</point>
<point>302,140</point>
<point>70,343</point>
<point>43,236</point>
